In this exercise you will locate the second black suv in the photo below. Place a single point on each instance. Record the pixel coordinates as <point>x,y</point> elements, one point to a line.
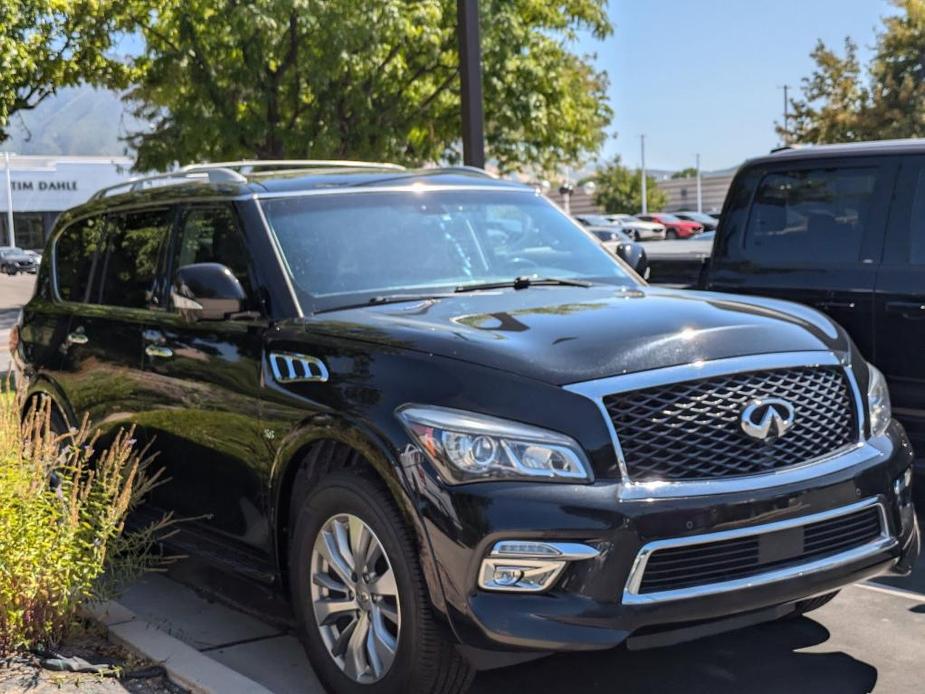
<point>452,427</point>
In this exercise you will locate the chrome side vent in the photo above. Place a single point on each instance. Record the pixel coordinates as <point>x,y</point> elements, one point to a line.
<point>289,367</point>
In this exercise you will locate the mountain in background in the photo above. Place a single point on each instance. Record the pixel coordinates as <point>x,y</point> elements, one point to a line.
<point>76,121</point>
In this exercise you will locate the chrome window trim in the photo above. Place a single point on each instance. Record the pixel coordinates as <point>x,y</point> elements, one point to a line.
<point>834,461</point>
<point>884,542</point>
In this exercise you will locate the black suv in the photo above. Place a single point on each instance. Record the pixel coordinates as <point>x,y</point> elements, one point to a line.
<point>840,228</point>
<point>452,427</point>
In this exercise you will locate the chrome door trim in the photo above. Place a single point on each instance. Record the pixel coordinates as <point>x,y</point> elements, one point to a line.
<point>884,542</point>
<point>848,456</point>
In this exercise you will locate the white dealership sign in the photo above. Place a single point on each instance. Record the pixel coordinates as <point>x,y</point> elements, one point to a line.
<point>54,184</point>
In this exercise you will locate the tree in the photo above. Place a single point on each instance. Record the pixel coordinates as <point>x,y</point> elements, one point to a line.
<point>689,172</point>
<point>49,44</point>
<point>842,102</point>
<point>834,104</point>
<point>619,189</point>
<point>366,79</point>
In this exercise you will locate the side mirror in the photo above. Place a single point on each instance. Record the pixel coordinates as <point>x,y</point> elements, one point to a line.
<point>206,291</point>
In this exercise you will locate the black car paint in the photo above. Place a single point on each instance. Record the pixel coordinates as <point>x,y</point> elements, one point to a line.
<point>502,352</point>
<point>877,298</point>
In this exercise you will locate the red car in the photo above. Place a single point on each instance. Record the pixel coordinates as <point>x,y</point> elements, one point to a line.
<point>677,228</point>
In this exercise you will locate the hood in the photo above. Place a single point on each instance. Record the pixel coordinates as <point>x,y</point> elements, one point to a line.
<point>564,335</point>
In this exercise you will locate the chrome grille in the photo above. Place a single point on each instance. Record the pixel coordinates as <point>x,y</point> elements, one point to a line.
<point>691,430</point>
<point>687,566</point>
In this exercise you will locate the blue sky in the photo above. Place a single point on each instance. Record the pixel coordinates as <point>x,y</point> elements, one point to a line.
<point>703,75</point>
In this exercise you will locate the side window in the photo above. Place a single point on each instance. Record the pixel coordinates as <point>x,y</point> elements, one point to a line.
<point>814,216</point>
<point>212,235</point>
<point>906,236</point>
<point>76,254</point>
<point>130,263</point>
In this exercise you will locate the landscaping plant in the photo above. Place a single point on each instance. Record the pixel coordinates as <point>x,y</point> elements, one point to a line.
<point>63,508</point>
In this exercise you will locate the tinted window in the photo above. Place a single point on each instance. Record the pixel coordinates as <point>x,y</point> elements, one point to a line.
<point>815,215</point>
<point>342,247</point>
<point>77,253</point>
<point>129,265</point>
<point>906,240</point>
<point>212,235</point>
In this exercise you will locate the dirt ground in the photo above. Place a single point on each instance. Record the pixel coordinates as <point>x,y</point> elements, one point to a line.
<point>24,673</point>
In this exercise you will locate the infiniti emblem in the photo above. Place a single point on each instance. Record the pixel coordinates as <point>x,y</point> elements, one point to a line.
<point>767,418</point>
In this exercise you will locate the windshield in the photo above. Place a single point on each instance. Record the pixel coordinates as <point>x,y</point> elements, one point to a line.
<point>596,220</point>
<point>698,217</point>
<point>345,249</point>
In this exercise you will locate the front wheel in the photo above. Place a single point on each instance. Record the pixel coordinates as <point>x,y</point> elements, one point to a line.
<point>671,235</point>
<point>360,597</point>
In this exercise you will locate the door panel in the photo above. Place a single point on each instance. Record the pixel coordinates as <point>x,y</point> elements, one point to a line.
<point>109,292</point>
<point>900,302</point>
<point>810,233</point>
<point>203,391</point>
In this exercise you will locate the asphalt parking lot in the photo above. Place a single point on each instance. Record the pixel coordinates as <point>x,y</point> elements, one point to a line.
<point>871,638</point>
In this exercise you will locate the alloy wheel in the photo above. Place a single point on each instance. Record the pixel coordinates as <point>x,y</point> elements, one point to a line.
<point>355,598</point>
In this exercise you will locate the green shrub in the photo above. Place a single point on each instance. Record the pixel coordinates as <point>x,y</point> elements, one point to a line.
<point>63,506</point>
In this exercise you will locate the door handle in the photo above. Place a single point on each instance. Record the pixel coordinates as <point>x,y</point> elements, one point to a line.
<point>159,351</point>
<point>77,338</point>
<point>909,309</point>
<point>835,304</point>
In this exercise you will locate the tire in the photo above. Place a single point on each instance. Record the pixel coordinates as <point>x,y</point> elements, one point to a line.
<point>671,235</point>
<point>423,661</point>
<point>811,604</point>
<point>636,236</point>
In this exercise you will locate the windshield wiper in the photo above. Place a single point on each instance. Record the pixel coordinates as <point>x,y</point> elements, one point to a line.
<point>523,283</point>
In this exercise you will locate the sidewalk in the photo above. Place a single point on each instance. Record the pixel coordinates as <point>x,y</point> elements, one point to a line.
<point>262,652</point>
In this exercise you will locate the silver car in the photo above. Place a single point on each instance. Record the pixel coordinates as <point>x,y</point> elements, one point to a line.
<point>638,229</point>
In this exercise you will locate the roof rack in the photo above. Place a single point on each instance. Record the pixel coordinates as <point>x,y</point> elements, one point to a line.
<point>211,174</point>
<point>251,165</point>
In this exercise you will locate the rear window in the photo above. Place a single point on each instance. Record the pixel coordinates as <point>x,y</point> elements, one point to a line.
<point>77,253</point>
<point>812,215</point>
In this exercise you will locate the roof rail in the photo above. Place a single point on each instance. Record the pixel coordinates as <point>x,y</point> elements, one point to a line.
<point>213,175</point>
<point>251,165</point>
<point>785,148</point>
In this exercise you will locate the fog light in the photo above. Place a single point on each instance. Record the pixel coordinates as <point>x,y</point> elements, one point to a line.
<point>902,487</point>
<point>529,566</point>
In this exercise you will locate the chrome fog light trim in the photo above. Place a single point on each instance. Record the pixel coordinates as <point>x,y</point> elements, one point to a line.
<point>529,566</point>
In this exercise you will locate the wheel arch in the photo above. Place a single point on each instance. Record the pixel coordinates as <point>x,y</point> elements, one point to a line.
<point>325,443</point>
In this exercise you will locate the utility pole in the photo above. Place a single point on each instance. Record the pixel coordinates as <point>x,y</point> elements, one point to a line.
<point>645,202</point>
<point>470,71</point>
<point>786,88</point>
<point>699,188</point>
<point>9,201</point>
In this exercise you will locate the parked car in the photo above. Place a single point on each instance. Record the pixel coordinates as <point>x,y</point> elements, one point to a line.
<point>594,220</point>
<point>676,228</point>
<point>618,243</point>
<point>637,228</point>
<point>36,258</point>
<point>839,228</point>
<point>708,222</point>
<point>15,260</point>
<point>453,428</point>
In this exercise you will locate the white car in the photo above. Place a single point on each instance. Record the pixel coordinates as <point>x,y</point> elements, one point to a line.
<point>638,229</point>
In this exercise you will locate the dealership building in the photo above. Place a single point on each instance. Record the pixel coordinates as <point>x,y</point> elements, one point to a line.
<point>42,187</point>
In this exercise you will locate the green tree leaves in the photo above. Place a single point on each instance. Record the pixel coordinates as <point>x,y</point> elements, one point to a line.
<point>842,104</point>
<point>368,79</point>
<point>48,44</point>
<point>619,190</point>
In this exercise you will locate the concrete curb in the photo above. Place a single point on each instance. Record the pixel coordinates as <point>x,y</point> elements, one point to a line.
<point>185,666</point>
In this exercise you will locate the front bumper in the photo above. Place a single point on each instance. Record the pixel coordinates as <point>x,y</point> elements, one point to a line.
<point>589,606</point>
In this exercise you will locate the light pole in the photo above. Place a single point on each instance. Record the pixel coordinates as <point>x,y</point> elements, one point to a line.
<point>470,73</point>
<point>699,188</point>
<point>11,234</point>
<point>645,202</point>
<point>786,136</point>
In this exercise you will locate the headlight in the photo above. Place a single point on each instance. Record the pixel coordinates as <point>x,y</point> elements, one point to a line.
<point>469,447</point>
<point>878,401</point>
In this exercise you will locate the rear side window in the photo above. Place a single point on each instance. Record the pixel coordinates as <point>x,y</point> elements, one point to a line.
<point>816,216</point>
<point>77,254</point>
<point>130,262</point>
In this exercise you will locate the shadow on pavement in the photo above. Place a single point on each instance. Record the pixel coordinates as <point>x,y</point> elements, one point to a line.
<point>755,660</point>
